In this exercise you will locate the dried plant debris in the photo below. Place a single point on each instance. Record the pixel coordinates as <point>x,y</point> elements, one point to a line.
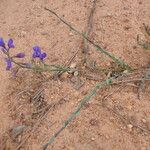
<point>39,103</point>
<point>143,82</point>
<point>18,130</point>
<point>146,42</point>
<point>77,82</point>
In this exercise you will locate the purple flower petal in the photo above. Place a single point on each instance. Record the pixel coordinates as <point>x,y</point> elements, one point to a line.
<point>9,63</point>
<point>2,43</point>
<point>36,51</point>
<point>11,43</point>
<point>34,55</point>
<point>42,56</point>
<point>20,55</point>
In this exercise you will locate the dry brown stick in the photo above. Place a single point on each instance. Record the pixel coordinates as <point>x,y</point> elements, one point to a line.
<point>89,30</point>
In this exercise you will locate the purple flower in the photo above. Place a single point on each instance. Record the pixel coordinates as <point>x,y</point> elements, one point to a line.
<point>11,43</point>
<point>20,55</point>
<point>36,51</point>
<point>42,56</point>
<point>2,43</point>
<point>9,63</point>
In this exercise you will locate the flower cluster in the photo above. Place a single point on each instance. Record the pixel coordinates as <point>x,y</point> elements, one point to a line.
<point>10,44</point>
<point>5,48</point>
<point>37,53</point>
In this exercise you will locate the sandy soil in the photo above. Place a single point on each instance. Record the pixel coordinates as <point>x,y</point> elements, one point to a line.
<point>120,122</point>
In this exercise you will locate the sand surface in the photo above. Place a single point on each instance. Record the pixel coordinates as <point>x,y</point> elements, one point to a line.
<point>120,122</point>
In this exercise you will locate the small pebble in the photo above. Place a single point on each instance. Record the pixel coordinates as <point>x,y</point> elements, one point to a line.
<point>73,65</point>
<point>125,71</point>
<point>22,34</point>
<point>129,107</point>
<point>144,121</point>
<point>71,33</point>
<point>111,118</point>
<point>93,139</point>
<point>19,138</point>
<point>18,130</point>
<point>130,126</point>
<point>31,90</point>
<point>76,73</point>
<point>23,97</point>
<point>107,137</point>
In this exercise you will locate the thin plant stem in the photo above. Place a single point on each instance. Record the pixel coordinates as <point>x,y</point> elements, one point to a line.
<point>39,68</point>
<point>118,61</point>
<point>77,111</point>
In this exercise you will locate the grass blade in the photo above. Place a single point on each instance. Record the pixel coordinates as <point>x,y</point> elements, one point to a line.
<point>118,61</point>
<point>77,111</point>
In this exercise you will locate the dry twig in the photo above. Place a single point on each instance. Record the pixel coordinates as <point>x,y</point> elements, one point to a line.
<point>89,30</point>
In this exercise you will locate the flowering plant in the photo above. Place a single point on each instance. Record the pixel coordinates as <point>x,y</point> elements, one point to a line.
<point>37,54</point>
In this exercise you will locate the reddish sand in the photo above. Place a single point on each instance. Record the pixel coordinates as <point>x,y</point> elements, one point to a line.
<point>116,24</point>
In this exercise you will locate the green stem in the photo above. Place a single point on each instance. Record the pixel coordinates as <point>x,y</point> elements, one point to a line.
<point>77,111</point>
<point>120,62</point>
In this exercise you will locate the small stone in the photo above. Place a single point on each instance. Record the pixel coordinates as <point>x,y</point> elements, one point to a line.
<point>76,73</point>
<point>31,90</point>
<point>73,65</point>
<point>71,33</point>
<point>111,118</point>
<point>129,107</point>
<point>93,139</point>
<point>23,97</point>
<point>65,75</point>
<point>144,120</point>
<point>22,34</point>
<point>72,103</point>
<point>125,71</point>
<point>107,137</point>
<point>19,138</point>
<point>130,126</point>
<point>18,130</point>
